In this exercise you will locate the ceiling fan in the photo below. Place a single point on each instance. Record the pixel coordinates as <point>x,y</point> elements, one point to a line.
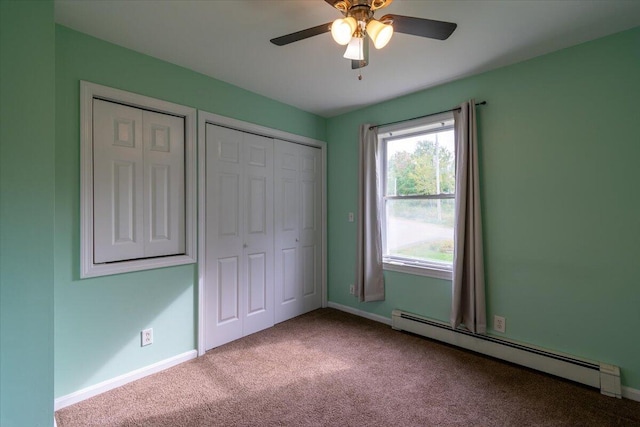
<point>359,25</point>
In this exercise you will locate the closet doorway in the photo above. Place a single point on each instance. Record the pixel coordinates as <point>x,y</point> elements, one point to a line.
<point>262,228</point>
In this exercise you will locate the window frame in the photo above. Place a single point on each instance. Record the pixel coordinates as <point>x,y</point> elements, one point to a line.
<point>88,268</point>
<point>426,125</point>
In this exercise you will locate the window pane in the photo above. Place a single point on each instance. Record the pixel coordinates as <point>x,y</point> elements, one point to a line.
<point>421,165</point>
<point>420,229</point>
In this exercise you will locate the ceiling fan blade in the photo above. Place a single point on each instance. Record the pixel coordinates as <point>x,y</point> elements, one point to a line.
<point>332,2</point>
<point>301,35</point>
<point>341,5</point>
<point>439,30</point>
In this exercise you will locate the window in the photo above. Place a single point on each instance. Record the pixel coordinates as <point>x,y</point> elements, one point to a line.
<point>419,196</point>
<point>138,182</point>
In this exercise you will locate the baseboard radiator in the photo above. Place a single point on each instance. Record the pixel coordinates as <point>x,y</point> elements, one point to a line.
<point>595,374</point>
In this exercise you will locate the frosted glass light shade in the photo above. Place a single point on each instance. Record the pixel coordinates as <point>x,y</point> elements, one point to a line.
<point>355,49</point>
<point>380,33</point>
<point>342,29</point>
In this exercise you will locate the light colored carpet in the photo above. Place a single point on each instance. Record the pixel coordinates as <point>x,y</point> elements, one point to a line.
<point>329,368</point>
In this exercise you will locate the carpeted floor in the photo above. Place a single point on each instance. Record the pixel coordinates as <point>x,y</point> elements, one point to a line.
<point>329,368</point>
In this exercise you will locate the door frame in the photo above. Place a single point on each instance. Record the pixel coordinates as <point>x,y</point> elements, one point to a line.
<point>205,118</point>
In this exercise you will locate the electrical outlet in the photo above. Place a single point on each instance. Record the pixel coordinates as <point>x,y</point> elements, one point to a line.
<point>352,290</point>
<point>146,337</point>
<point>350,216</point>
<point>499,324</point>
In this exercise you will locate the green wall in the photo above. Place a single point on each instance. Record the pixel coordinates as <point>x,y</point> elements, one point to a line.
<point>98,321</point>
<point>27,114</point>
<point>559,146</point>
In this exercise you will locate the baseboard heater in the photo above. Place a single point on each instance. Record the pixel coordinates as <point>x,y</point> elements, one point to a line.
<point>595,374</point>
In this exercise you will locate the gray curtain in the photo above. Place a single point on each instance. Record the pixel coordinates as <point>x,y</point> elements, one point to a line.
<point>468,299</point>
<point>369,284</point>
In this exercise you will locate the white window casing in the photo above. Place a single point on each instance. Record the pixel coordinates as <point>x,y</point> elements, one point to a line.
<point>440,270</point>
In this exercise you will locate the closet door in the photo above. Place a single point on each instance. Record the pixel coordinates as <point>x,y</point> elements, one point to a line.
<point>311,227</point>
<point>298,221</point>
<point>258,233</point>
<point>139,183</point>
<point>118,182</point>
<point>164,205</point>
<point>288,274</point>
<point>239,234</point>
<point>223,235</point>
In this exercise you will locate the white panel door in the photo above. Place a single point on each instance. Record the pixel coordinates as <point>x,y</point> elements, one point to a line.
<point>118,182</point>
<point>258,233</point>
<point>310,244</point>
<point>163,184</point>
<point>239,235</point>
<point>224,240</point>
<point>288,292</point>
<point>139,183</point>
<point>298,222</point>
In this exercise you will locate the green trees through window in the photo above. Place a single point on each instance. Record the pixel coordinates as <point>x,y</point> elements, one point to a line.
<point>427,170</point>
<point>419,198</point>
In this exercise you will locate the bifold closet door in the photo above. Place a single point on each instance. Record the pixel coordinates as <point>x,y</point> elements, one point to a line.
<point>298,229</point>
<point>311,226</point>
<point>239,234</point>
<point>138,172</point>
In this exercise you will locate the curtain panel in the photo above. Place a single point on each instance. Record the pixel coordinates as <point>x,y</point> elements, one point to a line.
<point>468,290</point>
<point>369,284</point>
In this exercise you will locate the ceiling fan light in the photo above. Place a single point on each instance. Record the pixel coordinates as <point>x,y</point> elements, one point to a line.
<point>380,33</point>
<point>355,49</point>
<point>342,29</point>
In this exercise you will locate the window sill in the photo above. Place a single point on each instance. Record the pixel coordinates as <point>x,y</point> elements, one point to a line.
<point>418,271</point>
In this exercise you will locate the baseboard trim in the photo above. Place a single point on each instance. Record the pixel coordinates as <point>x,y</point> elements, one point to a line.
<point>631,393</point>
<point>96,389</point>
<point>361,313</point>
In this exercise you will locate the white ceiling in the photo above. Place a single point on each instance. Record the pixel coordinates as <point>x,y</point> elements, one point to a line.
<point>229,40</point>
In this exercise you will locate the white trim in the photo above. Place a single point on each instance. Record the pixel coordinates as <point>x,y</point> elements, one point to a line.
<point>202,191</point>
<point>419,125</point>
<point>414,127</point>
<point>631,393</point>
<point>418,271</point>
<point>89,91</point>
<point>240,125</point>
<point>324,227</point>
<point>204,118</point>
<point>361,313</point>
<point>96,389</point>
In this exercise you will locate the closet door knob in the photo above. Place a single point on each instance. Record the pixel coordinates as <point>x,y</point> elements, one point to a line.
<point>244,245</point>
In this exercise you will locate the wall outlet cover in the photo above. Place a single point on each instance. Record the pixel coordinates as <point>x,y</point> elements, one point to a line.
<point>499,324</point>
<point>146,337</point>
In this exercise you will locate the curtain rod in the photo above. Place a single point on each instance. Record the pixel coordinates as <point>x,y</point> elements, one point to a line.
<point>422,117</point>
